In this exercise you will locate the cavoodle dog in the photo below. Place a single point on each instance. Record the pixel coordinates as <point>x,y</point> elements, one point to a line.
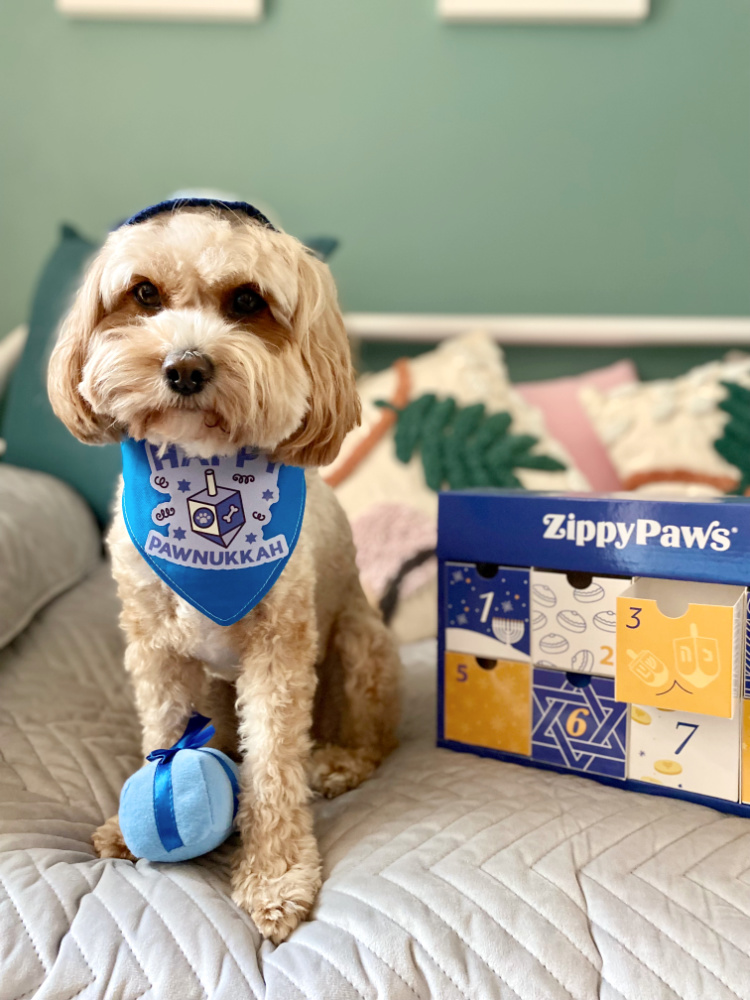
<point>204,327</point>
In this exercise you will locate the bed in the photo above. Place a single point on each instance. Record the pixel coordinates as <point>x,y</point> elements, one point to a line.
<point>445,876</point>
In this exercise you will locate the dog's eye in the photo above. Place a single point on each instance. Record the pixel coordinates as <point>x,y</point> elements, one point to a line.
<point>147,295</point>
<point>246,301</point>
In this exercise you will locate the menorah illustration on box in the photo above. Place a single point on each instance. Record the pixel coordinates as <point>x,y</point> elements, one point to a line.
<point>604,636</point>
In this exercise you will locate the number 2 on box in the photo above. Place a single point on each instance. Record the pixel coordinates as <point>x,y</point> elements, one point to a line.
<point>688,725</point>
<point>488,599</point>
<point>606,660</point>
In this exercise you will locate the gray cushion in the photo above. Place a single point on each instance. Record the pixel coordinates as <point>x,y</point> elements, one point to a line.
<point>49,541</point>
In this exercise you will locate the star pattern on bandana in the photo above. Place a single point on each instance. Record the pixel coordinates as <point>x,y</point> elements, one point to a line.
<point>250,538</point>
<point>267,494</point>
<point>179,534</point>
<point>183,485</point>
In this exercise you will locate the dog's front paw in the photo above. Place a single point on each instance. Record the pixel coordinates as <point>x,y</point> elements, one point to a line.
<point>334,770</point>
<point>109,842</point>
<point>276,903</point>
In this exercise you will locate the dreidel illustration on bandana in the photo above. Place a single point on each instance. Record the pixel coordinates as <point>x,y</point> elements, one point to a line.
<point>217,530</point>
<point>216,512</point>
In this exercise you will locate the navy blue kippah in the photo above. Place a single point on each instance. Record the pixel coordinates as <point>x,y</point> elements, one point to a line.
<point>175,204</point>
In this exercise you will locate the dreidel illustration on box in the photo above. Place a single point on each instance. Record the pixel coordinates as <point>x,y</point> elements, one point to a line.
<point>216,512</point>
<point>697,658</point>
<point>681,645</point>
<point>648,668</point>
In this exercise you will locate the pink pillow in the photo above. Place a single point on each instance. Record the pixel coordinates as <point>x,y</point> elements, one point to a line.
<point>566,418</point>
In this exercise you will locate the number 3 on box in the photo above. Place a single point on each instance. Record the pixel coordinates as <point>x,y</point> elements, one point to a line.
<point>634,617</point>
<point>688,725</point>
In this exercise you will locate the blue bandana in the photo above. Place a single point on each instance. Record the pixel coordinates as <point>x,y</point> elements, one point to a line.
<point>219,530</point>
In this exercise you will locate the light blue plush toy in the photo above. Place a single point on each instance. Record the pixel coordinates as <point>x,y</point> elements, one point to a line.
<point>183,802</point>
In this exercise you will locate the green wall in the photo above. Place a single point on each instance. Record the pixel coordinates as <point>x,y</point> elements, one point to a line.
<point>465,168</point>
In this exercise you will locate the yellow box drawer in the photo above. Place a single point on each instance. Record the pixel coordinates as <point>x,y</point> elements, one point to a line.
<point>679,645</point>
<point>488,703</point>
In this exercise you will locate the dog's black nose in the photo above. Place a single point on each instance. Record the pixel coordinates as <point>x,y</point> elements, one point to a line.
<point>188,372</point>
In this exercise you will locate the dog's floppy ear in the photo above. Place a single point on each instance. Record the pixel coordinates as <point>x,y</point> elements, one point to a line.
<point>68,358</point>
<point>334,406</point>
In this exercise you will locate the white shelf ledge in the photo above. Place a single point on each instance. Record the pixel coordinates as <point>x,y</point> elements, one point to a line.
<point>583,331</point>
<point>544,10</point>
<point>160,10</point>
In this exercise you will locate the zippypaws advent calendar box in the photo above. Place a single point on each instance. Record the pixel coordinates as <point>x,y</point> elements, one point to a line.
<point>599,635</point>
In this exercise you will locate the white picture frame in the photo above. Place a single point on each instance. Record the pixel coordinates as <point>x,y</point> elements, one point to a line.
<point>581,11</point>
<point>162,10</point>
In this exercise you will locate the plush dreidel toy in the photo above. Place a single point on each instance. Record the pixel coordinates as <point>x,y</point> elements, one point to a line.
<point>183,802</point>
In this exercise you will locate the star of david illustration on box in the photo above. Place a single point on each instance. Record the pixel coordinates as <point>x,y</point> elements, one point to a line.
<point>487,611</point>
<point>578,725</point>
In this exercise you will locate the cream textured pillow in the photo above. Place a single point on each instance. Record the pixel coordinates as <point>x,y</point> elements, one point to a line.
<point>471,369</point>
<point>388,500</point>
<point>663,432</point>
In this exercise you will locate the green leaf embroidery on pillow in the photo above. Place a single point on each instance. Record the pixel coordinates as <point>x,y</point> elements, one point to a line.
<point>463,446</point>
<point>734,444</point>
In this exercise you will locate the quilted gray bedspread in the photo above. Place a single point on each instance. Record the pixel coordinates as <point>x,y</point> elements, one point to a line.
<point>446,876</point>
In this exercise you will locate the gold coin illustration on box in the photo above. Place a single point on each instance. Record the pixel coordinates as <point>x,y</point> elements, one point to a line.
<point>640,716</point>
<point>685,751</point>
<point>679,646</point>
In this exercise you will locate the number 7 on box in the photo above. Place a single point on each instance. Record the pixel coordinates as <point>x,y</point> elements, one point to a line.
<point>688,725</point>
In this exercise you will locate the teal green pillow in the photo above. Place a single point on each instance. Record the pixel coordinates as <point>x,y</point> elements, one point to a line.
<point>36,439</point>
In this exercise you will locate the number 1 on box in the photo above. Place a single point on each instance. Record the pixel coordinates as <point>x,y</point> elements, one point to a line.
<point>488,598</point>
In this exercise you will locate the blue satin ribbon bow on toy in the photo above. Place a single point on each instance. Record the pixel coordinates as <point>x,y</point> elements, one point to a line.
<point>183,802</point>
